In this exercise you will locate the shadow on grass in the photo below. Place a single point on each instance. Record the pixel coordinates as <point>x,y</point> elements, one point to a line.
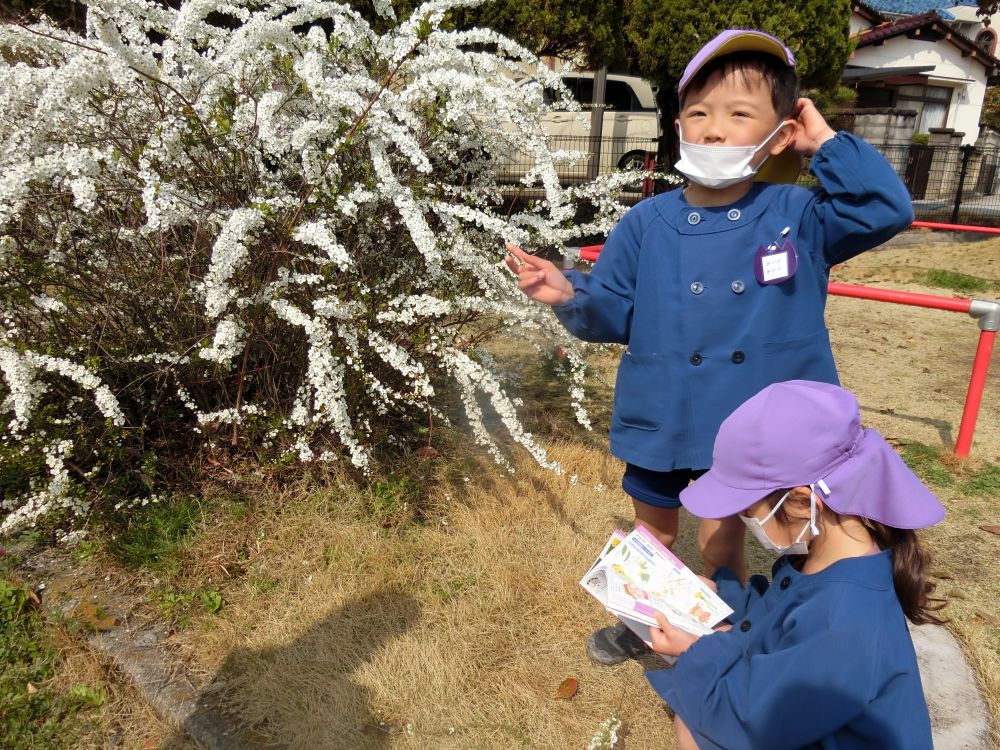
<point>304,694</point>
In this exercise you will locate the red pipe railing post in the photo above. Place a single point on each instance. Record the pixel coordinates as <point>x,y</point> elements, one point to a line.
<point>988,314</point>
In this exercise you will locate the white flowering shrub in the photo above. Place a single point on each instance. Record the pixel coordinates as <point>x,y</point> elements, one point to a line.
<point>263,226</point>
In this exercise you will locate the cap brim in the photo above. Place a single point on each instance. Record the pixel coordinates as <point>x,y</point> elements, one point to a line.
<point>750,42</point>
<point>784,168</point>
<point>877,484</point>
<point>708,497</point>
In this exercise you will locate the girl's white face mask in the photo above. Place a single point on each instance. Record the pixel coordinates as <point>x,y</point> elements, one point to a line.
<point>719,167</point>
<point>800,546</point>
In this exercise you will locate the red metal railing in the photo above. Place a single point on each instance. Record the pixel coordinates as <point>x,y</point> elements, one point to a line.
<point>986,312</point>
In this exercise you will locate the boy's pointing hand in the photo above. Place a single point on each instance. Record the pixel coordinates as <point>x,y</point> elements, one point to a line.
<point>812,131</point>
<point>540,279</point>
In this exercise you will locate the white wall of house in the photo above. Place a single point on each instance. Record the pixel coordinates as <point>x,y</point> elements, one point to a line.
<point>858,24</point>
<point>964,75</point>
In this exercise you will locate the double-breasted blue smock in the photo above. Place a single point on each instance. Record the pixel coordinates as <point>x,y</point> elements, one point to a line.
<point>813,662</point>
<point>676,284</point>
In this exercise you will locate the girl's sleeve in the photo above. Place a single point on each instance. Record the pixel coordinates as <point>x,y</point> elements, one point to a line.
<point>816,680</point>
<point>741,598</point>
<point>601,309</point>
<point>861,203</point>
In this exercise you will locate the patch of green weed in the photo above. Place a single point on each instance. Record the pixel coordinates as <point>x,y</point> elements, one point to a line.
<point>984,482</point>
<point>926,464</point>
<point>391,498</point>
<point>960,282</point>
<point>152,537</point>
<point>34,714</point>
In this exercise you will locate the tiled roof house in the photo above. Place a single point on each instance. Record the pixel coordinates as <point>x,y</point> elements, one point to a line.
<point>912,55</point>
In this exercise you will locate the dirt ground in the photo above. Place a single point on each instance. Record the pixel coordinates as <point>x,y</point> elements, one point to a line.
<point>910,366</point>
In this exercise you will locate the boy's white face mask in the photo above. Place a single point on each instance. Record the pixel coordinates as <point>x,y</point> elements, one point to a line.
<point>800,546</point>
<point>719,167</point>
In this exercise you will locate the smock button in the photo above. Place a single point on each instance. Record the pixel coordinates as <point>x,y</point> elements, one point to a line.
<point>693,218</point>
<point>697,287</point>
<point>785,583</point>
<point>738,286</point>
<point>734,214</point>
<point>738,357</point>
<point>745,625</point>
<point>696,359</point>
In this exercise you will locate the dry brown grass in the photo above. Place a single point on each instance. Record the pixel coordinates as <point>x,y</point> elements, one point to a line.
<point>453,632</point>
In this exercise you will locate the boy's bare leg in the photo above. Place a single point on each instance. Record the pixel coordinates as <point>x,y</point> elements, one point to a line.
<point>684,739</point>
<point>721,544</point>
<point>662,522</point>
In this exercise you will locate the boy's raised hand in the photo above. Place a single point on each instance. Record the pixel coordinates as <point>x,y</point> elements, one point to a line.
<point>668,639</point>
<point>812,131</point>
<point>540,279</point>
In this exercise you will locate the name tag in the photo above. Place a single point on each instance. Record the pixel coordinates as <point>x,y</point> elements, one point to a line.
<point>774,265</point>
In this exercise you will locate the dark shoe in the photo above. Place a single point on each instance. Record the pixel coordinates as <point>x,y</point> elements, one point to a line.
<point>615,644</point>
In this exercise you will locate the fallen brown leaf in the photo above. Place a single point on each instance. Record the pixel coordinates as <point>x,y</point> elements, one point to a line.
<point>426,451</point>
<point>92,614</point>
<point>32,689</point>
<point>956,594</point>
<point>991,529</point>
<point>987,618</point>
<point>567,689</point>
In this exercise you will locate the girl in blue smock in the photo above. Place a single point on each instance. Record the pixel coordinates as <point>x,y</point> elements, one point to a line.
<point>821,657</point>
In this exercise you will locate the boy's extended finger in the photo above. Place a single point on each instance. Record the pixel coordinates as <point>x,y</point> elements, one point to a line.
<point>524,257</point>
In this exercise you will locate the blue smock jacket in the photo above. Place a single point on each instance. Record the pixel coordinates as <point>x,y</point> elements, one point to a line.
<point>676,283</point>
<point>813,662</point>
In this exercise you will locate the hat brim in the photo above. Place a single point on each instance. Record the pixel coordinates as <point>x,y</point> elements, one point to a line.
<point>784,168</point>
<point>709,497</point>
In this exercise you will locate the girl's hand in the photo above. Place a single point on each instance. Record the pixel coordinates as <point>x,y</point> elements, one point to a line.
<point>670,640</point>
<point>539,278</point>
<point>812,131</point>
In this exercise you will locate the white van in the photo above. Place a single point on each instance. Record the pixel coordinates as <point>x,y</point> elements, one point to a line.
<point>631,127</point>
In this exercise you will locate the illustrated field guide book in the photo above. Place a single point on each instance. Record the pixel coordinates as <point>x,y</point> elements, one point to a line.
<point>636,575</point>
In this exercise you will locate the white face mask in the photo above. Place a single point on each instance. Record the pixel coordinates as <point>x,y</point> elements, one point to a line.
<point>800,546</point>
<point>720,166</point>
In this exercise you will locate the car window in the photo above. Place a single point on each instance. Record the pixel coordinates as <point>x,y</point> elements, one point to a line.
<point>618,96</point>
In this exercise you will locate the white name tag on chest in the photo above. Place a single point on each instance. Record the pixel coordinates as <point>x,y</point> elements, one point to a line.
<point>775,266</point>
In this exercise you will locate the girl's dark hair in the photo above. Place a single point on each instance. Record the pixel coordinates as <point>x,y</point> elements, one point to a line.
<point>780,78</point>
<point>910,563</point>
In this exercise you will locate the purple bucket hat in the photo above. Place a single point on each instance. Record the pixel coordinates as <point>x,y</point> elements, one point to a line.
<point>786,166</point>
<point>802,433</point>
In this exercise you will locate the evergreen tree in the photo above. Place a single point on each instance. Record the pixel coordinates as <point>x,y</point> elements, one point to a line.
<point>663,35</point>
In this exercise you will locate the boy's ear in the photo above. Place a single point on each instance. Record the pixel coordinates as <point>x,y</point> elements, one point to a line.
<point>784,137</point>
<point>677,126</point>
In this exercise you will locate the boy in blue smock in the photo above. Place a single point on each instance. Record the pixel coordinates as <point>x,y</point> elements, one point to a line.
<point>718,288</point>
<point>821,657</point>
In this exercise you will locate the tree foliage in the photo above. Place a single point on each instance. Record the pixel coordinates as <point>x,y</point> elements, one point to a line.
<point>990,116</point>
<point>586,30</point>
<point>663,35</point>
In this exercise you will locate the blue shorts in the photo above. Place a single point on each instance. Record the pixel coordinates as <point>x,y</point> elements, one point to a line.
<point>660,489</point>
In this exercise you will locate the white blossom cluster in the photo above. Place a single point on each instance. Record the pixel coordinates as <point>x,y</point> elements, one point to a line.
<point>289,215</point>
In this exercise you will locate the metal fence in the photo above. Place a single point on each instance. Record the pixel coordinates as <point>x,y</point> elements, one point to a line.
<point>582,158</point>
<point>955,184</point>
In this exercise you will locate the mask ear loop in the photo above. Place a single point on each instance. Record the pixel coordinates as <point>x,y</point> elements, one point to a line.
<point>774,510</point>
<point>812,510</point>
